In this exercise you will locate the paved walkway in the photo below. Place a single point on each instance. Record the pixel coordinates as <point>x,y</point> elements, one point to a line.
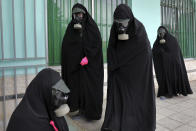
<point>176,114</point>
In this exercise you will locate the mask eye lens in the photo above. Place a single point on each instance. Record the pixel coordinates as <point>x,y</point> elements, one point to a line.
<point>80,15</point>
<point>120,24</point>
<point>125,24</point>
<point>58,93</point>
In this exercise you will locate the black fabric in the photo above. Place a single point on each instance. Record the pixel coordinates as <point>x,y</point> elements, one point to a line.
<point>84,82</point>
<point>130,95</point>
<point>34,112</point>
<point>169,67</point>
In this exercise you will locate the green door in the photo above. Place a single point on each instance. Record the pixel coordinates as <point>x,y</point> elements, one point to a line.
<point>59,15</point>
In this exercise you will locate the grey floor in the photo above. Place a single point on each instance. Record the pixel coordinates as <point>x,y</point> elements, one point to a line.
<point>176,114</point>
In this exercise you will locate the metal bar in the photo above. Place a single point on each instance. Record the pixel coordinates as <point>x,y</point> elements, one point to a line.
<point>190,40</point>
<point>35,30</point>
<point>101,14</point>
<point>181,21</point>
<point>15,88</point>
<point>26,77</point>
<point>25,35</point>
<point>189,29</point>
<point>10,67</point>
<point>2,47</point>
<point>13,21</point>
<point>60,27</point>
<point>46,30</point>
<point>10,97</point>
<point>195,28</point>
<point>194,32</point>
<point>165,13</point>
<point>52,50</point>
<point>106,24</point>
<point>161,13</point>
<point>193,18</point>
<point>170,15</point>
<point>30,58</point>
<point>36,70</point>
<point>186,28</point>
<point>192,26</point>
<point>179,25</point>
<point>4,100</point>
<point>95,7</point>
<point>192,29</point>
<point>92,8</point>
<point>64,15</point>
<point>187,34</point>
<point>177,20</point>
<point>192,21</point>
<point>69,11</point>
<point>183,47</point>
<point>166,20</point>
<point>112,10</point>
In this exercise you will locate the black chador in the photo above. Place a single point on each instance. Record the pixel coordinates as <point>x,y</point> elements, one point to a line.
<point>169,66</point>
<point>130,95</point>
<point>43,106</point>
<point>82,64</point>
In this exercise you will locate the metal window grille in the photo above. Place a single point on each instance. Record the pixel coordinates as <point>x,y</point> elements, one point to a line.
<point>20,58</point>
<point>59,15</point>
<point>179,16</point>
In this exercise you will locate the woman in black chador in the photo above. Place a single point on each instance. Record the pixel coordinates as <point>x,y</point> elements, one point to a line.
<point>130,95</point>
<point>82,64</point>
<point>43,106</point>
<point>169,66</point>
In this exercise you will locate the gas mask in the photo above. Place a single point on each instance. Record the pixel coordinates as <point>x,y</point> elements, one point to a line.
<point>78,17</point>
<point>161,34</point>
<point>122,25</point>
<point>59,98</point>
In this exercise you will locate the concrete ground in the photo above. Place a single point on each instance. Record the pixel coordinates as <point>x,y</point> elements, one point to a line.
<point>175,114</point>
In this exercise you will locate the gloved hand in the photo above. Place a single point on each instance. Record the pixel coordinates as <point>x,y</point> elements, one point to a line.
<point>84,61</point>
